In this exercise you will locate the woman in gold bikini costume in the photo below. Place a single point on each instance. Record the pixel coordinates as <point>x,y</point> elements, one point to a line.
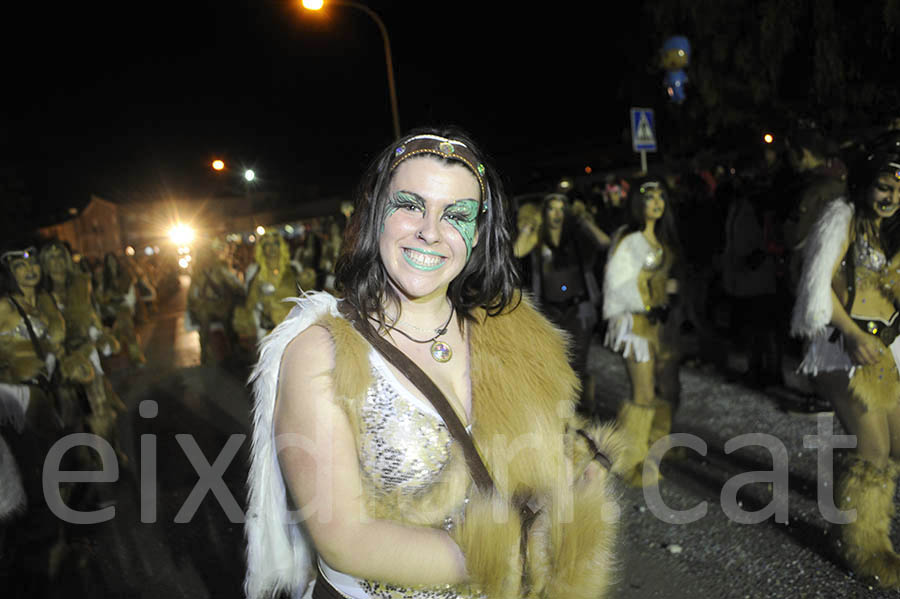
<point>846,309</point>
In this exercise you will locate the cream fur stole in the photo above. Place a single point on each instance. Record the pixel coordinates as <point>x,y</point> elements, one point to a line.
<point>621,296</point>
<point>812,311</point>
<point>279,556</point>
<point>12,493</point>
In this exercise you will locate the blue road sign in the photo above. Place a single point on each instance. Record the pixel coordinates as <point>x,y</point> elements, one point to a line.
<point>643,138</point>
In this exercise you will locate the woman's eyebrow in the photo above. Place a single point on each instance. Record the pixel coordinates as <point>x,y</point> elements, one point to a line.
<point>457,204</point>
<point>411,193</point>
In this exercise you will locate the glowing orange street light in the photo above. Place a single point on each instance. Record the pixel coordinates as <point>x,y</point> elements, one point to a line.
<point>218,165</point>
<point>768,138</point>
<point>392,89</point>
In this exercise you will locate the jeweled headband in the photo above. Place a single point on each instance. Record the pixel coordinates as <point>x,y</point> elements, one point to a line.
<point>12,255</point>
<point>648,185</point>
<point>895,169</point>
<point>446,148</point>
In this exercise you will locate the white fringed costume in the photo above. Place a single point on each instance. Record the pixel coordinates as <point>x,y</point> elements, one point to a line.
<point>12,492</point>
<point>622,298</point>
<point>522,387</point>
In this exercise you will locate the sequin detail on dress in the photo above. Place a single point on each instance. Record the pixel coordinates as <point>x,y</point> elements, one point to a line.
<point>869,256</point>
<point>403,450</point>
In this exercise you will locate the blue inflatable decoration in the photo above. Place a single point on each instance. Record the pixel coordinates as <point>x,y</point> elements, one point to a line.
<point>675,82</point>
<point>675,56</point>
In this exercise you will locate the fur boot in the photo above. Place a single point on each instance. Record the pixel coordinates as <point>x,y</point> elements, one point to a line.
<point>661,427</point>
<point>865,542</point>
<point>662,421</point>
<point>635,421</point>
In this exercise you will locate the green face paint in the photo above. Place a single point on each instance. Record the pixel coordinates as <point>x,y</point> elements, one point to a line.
<point>401,199</point>
<point>463,215</point>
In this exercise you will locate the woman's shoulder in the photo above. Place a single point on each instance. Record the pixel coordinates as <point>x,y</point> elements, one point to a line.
<point>308,336</point>
<point>311,350</point>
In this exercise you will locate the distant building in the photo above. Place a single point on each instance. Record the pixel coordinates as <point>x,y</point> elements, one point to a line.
<point>92,232</point>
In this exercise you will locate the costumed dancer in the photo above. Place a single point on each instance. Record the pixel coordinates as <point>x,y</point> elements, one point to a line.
<point>86,337</point>
<point>847,310</point>
<point>117,296</point>
<point>31,335</point>
<point>269,281</point>
<point>558,251</point>
<point>214,292</point>
<point>638,286</point>
<point>373,414</point>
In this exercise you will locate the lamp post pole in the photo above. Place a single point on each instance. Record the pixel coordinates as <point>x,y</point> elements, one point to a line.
<point>387,57</point>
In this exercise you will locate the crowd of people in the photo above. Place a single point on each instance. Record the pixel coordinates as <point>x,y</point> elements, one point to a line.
<point>58,316</point>
<point>439,315</point>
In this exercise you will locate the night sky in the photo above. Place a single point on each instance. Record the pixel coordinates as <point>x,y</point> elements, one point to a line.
<point>133,100</point>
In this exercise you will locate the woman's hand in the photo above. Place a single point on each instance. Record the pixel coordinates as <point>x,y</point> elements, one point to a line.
<point>863,348</point>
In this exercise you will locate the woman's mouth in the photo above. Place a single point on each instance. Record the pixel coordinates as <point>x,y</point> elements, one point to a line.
<point>423,260</point>
<point>887,206</point>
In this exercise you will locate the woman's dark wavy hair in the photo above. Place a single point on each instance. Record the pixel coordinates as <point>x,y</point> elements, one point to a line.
<point>666,231</point>
<point>489,279</point>
<point>871,161</point>
<point>8,284</point>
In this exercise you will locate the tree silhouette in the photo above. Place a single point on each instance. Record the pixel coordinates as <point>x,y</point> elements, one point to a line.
<point>761,65</point>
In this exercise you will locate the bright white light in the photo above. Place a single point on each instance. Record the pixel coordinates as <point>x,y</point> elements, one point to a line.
<point>313,4</point>
<point>288,229</point>
<point>183,262</point>
<point>249,175</point>
<point>181,234</point>
<point>260,230</point>
<point>129,251</point>
<point>768,138</point>
<point>148,251</point>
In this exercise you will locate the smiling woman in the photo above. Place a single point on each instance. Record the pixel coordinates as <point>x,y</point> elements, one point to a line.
<point>425,425</point>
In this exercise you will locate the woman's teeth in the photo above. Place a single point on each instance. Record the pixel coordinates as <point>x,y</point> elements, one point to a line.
<point>421,259</point>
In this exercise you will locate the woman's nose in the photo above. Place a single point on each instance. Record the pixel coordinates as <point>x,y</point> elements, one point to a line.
<point>430,232</point>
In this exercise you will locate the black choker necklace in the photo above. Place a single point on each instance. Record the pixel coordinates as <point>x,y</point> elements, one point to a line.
<point>440,350</point>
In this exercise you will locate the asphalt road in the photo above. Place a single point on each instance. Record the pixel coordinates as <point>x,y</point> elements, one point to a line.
<point>189,546</point>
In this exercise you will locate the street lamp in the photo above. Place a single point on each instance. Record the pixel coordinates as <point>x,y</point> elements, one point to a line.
<point>318,4</point>
<point>249,175</point>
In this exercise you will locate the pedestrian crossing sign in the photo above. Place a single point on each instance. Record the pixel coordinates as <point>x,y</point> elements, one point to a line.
<point>643,139</point>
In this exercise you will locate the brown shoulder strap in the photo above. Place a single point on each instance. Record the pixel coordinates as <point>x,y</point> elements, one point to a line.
<point>434,395</point>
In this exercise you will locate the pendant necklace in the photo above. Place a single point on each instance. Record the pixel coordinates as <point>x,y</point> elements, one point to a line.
<point>440,350</point>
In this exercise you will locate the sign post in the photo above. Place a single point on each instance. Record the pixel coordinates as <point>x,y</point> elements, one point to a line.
<point>643,138</point>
